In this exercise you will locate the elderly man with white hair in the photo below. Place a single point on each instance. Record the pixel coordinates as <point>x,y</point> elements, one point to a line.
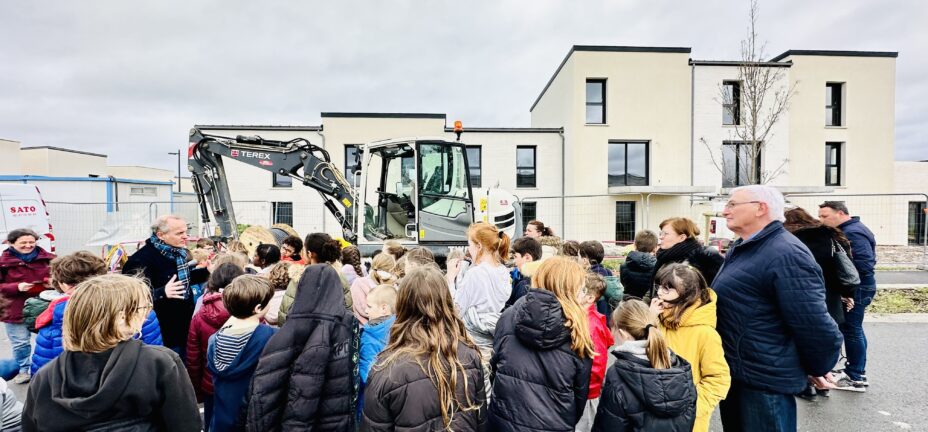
<point>772,318</point>
<point>164,262</point>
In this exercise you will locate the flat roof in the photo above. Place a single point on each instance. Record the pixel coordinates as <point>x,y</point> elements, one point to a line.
<point>384,115</point>
<point>832,53</point>
<point>259,127</point>
<point>62,149</point>
<point>607,48</point>
<point>507,130</point>
<point>738,63</point>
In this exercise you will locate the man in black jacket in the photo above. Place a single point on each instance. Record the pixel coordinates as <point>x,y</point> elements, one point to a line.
<point>163,261</point>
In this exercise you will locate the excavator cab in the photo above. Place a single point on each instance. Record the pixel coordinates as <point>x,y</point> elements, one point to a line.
<point>416,192</point>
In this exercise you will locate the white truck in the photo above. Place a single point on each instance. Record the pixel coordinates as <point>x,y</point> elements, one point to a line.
<point>23,207</point>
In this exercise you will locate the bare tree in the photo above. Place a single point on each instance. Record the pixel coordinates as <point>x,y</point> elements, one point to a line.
<point>755,105</point>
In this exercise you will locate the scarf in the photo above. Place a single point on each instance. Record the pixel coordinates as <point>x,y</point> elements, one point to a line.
<point>676,254</point>
<point>26,258</point>
<point>179,255</point>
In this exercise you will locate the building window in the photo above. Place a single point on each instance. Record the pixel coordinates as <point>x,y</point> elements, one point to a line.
<point>525,166</point>
<point>738,167</point>
<point>283,213</point>
<point>833,104</point>
<point>281,181</point>
<point>474,163</point>
<point>596,101</point>
<point>352,164</point>
<point>731,103</point>
<point>917,217</point>
<point>628,163</point>
<point>143,191</point>
<point>625,221</point>
<point>833,164</point>
<point>529,213</point>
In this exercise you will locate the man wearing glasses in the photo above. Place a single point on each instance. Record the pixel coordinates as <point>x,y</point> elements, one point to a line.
<point>772,318</point>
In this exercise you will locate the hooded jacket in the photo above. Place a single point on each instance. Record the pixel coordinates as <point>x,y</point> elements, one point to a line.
<point>173,314</point>
<point>307,376</point>
<point>772,318</point>
<point>863,249</point>
<point>211,316</point>
<point>50,323</point>
<point>291,293</point>
<point>602,340</point>
<point>13,271</point>
<point>697,342</point>
<point>231,383</point>
<point>132,387</point>
<point>635,273</point>
<point>401,397</point>
<point>539,382</point>
<point>703,258</point>
<point>637,397</point>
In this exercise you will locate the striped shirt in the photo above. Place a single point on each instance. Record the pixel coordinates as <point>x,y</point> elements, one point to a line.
<point>230,342</point>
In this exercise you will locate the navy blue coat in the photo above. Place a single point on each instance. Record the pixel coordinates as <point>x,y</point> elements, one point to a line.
<point>772,317</point>
<point>863,249</point>
<point>230,385</point>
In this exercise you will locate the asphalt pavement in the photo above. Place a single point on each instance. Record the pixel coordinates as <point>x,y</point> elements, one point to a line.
<point>895,401</point>
<point>902,278</point>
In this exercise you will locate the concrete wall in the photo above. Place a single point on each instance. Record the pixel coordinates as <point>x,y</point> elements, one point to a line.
<point>10,161</point>
<point>53,162</point>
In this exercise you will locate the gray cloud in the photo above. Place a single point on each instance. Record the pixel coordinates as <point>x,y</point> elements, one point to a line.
<point>129,78</point>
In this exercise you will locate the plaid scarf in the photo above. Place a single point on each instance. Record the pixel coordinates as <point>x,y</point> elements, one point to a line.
<point>179,255</point>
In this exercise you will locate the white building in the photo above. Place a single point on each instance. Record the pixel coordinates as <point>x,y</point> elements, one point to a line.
<point>85,195</point>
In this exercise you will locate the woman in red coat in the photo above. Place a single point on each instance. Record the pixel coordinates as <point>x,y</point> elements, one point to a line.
<point>23,274</point>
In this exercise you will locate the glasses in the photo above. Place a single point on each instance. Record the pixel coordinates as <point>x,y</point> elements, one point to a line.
<point>731,204</point>
<point>663,288</point>
<point>146,307</point>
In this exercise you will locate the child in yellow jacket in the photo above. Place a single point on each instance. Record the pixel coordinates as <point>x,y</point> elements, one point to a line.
<point>685,310</point>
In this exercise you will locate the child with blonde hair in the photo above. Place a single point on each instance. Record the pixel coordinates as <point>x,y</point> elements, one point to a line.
<point>382,273</point>
<point>279,275</point>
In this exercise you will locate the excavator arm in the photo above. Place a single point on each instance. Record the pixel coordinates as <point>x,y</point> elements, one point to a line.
<point>285,158</point>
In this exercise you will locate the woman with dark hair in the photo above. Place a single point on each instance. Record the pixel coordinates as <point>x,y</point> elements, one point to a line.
<point>351,264</point>
<point>24,269</point>
<point>679,243</point>
<point>429,376</point>
<point>266,255</point>
<point>319,248</point>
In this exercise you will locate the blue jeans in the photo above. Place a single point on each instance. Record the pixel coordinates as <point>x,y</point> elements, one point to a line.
<point>751,410</point>
<point>9,368</point>
<point>855,341</point>
<point>21,340</point>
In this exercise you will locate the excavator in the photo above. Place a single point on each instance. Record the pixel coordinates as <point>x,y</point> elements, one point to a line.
<point>413,190</point>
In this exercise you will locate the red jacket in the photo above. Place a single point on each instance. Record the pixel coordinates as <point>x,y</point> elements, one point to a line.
<point>211,316</point>
<point>13,271</point>
<point>602,340</point>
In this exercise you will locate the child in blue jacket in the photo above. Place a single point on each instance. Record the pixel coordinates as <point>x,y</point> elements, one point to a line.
<point>67,273</point>
<point>376,332</point>
<point>235,348</point>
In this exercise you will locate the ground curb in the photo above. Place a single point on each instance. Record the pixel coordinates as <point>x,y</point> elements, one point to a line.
<point>897,318</point>
<point>901,286</point>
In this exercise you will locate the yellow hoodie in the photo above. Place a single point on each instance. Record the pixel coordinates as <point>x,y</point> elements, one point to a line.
<point>696,340</point>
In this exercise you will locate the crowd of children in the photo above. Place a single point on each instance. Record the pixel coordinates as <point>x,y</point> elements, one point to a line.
<point>513,336</point>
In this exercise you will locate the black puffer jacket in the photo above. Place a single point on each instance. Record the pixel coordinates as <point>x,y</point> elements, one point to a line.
<point>307,376</point>
<point>637,397</point>
<point>539,383</point>
<point>401,397</point>
<point>635,273</point>
<point>819,241</point>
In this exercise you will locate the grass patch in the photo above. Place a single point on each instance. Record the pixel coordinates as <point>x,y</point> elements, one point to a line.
<point>900,301</point>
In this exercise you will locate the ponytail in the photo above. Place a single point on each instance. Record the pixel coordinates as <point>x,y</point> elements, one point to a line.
<point>544,230</point>
<point>326,249</point>
<point>503,248</point>
<point>490,239</point>
<point>633,316</point>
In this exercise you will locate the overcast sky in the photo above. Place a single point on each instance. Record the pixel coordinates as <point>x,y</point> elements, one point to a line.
<point>129,78</point>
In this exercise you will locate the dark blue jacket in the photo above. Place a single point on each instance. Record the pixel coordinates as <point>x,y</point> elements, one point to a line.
<point>230,385</point>
<point>863,249</point>
<point>772,317</point>
<point>48,343</point>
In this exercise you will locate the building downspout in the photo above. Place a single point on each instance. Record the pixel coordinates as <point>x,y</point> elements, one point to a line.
<point>563,182</point>
<point>692,128</point>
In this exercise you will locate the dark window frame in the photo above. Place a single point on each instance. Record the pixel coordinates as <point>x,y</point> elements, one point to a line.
<point>838,146</point>
<point>479,166</point>
<point>522,180</point>
<point>602,104</point>
<point>835,104</point>
<point>276,212</point>
<point>915,226</point>
<point>733,105</point>
<point>647,161</point>
<point>276,181</point>
<point>757,164</point>
<point>624,233</point>
<point>527,214</point>
<point>349,174</point>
